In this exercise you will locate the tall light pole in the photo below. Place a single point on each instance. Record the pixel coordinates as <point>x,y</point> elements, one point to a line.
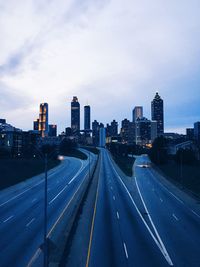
<point>181,167</point>
<point>89,163</point>
<point>45,213</point>
<point>44,156</point>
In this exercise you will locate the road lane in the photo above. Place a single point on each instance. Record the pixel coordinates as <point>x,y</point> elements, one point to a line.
<point>178,226</point>
<point>22,234</point>
<point>118,236</point>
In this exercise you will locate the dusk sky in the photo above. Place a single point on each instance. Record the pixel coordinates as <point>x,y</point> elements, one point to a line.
<point>113,55</point>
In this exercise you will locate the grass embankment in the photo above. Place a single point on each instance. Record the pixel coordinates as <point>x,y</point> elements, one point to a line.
<point>76,154</point>
<point>125,164</point>
<point>91,149</point>
<point>13,171</point>
<point>190,178</point>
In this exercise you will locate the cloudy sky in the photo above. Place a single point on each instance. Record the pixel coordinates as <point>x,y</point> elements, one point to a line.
<point>112,54</point>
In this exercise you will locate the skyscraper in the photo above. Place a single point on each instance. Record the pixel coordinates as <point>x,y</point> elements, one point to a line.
<point>36,125</point>
<point>137,113</point>
<point>127,132</point>
<point>87,117</point>
<point>43,120</point>
<point>146,131</point>
<point>52,130</point>
<point>157,113</point>
<point>75,116</point>
<point>95,132</point>
<point>102,137</point>
<point>112,129</point>
<point>197,131</point>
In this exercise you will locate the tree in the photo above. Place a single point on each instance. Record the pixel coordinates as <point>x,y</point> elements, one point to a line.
<point>66,146</point>
<point>158,152</point>
<point>185,156</point>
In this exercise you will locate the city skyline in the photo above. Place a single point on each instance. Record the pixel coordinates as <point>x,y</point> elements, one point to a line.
<point>114,67</point>
<point>81,116</point>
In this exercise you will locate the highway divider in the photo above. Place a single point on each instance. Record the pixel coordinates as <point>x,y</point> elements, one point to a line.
<point>62,229</point>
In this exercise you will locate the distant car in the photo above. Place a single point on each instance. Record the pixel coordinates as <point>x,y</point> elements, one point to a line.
<point>144,166</point>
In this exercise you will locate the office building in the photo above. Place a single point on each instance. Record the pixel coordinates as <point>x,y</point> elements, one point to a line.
<point>157,113</point>
<point>52,130</point>
<point>197,131</point>
<point>102,137</point>
<point>112,129</point>
<point>95,132</point>
<point>96,126</point>
<point>127,132</point>
<point>75,116</point>
<point>68,132</point>
<point>154,131</point>
<point>146,131</point>
<point>43,120</point>
<point>190,133</point>
<point>137,113</point>
<point>36,125</point>
<point>87,118</point>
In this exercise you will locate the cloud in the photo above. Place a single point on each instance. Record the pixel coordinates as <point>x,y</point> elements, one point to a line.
<point>114,54</point>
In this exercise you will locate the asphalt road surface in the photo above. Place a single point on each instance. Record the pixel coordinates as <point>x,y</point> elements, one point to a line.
<point>22,210</point>
<point>156,228</point>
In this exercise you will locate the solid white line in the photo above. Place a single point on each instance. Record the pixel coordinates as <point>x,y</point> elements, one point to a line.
<point>167,257</point>
<point>117,215</point>
<point>195,213</point>
<point>80,170</point>
<point>58,194</point>
<point>8,218</point>
<point>34,200</point>
<point>113,197</point>
<point>38,251</point>
<point>125,249</point>
<point>28,224</point>
<point>167,189</point>
<point>67,184</point>
<point>175,217</point>
<point>178,199</point>
<point>28,189</point>
<point>2,204</point>
<point>111,188</point>
<point>156,232</point>
<point>161,200</point>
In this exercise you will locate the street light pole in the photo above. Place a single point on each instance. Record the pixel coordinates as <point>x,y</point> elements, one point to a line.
<point>89,164</point>
<point>45,216</point>
<point>181,167</point>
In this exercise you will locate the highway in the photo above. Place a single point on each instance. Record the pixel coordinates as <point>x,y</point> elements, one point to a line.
<point>149,226</point>
<point>22,210</point>
<point>176,222</point>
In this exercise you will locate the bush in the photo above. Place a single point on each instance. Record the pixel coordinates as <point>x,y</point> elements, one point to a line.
<point>158,152</point>
<point>185,156</point>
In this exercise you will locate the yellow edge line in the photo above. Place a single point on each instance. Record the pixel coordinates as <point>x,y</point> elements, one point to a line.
<point>38,251</point>
<point>92,227</point>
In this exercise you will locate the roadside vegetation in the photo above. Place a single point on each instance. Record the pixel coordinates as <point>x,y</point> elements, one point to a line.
<point>91,149</point>
<point>70,149</point>
<point>183,168</point>
<point>123,156</point>
<point>13,171</point>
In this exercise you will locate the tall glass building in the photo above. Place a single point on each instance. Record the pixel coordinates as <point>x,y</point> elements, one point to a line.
<point>137,113</point>
<point>43,120</point>
<point>157,113</point>
<point>87,117</point>
<point>75,116</point>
